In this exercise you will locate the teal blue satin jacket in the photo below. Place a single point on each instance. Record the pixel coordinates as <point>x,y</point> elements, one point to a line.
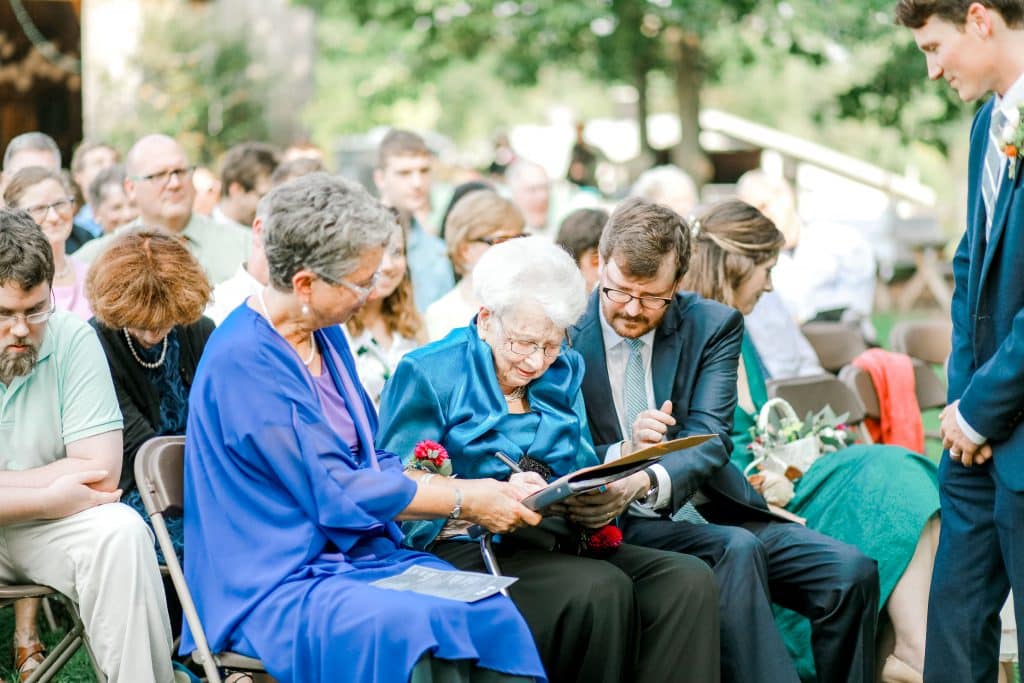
<point>448,392</point>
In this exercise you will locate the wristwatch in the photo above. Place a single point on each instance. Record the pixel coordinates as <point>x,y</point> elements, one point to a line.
<point>653,491</point>
<point>457,509</point>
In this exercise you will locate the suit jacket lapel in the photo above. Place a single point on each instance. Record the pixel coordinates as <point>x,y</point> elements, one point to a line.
<point>668,345</point>
<point>589,342</point>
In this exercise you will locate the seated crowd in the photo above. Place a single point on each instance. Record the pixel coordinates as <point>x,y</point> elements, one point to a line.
<point>306,338</point>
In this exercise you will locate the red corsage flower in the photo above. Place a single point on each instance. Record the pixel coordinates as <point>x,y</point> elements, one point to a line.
<point>600,542</point>
<point>431,457</point>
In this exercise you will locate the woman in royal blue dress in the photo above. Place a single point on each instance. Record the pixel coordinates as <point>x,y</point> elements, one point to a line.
<point>290,509</point>
<point>508,383</point>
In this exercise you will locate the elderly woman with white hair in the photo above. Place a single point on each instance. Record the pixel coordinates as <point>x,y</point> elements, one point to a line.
<point>508,383</point>
<point>291,509</point>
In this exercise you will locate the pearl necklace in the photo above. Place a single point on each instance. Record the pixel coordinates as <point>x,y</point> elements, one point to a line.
<point>516,395</point>
<point>151,366</point>
<point>312,342</point>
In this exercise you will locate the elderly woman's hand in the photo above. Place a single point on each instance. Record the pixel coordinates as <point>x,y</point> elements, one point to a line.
<point>597,508</point>
<point>495,505</point>
<point>527,483</point>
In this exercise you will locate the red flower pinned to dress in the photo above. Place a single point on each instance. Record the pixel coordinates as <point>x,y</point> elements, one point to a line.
<point>432,457</point>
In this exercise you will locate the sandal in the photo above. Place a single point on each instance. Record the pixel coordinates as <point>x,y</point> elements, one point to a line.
<point>28,659</point>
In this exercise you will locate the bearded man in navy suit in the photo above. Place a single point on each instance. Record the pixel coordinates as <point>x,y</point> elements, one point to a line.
<point>664,365</point>
<point>978,48</point>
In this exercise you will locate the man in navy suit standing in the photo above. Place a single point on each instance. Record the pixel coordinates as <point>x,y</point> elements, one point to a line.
<point>664,365</point>
<point>978,47</point>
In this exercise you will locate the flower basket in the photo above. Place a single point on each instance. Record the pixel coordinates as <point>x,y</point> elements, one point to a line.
<point>784,444</point>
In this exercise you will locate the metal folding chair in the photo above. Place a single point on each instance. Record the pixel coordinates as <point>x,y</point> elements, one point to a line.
<point>811,394</point>
<point>66,648</point>
<point>836,344</point>
<point>928,340</point>
<point>929,389</point>
<point>159,475</point>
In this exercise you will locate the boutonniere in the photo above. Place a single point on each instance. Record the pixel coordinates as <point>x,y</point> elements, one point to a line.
<point>1012,139</point>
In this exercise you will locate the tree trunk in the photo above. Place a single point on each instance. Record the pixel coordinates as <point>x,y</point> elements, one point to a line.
<point>685,50</point>
<point>640,83</point>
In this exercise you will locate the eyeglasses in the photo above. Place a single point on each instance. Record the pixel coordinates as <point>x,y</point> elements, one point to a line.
<point>61,207</point>
<point>8,321</point>
<point>161,178</point>
<point>651,303</point>
<point>361,291</point>
<point>521,347</point>
<point>497,239</point>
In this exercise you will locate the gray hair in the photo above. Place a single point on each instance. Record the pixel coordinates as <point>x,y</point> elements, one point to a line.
<point>667,185</point>
<point>35,141</point>
<point>321,223</point>
<point>531,270</point>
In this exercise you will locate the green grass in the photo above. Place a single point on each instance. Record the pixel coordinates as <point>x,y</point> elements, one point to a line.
<point>78,670</point>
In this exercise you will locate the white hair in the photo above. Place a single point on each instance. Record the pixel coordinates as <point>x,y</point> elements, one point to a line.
<point>531,271</point>
<point>667,185</point>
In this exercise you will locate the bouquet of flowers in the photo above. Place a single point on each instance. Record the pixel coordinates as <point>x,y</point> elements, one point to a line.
<point>787,445</point>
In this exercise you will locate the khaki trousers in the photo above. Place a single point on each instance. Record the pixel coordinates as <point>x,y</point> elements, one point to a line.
<point>103,559</point>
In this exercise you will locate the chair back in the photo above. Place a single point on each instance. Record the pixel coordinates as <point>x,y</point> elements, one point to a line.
<point>159,474</point>
<point>927,340</point>
<point>929,389</point>
<point>836,344</point>
<point>160,478</point>
<point>811,394</point>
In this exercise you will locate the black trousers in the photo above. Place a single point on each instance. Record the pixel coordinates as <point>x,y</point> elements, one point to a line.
<point>641,615</point>
<point>831,583</point>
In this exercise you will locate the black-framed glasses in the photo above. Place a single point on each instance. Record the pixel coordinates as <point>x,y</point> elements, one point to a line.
<point>39,318</point>
<point>651,303</point>
<point>497,239</point>
<point>521,347</point>
<point>161,178</point>
<point>61,207</point>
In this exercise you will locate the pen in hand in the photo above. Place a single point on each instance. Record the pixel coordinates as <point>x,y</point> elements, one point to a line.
<point>512,464</point>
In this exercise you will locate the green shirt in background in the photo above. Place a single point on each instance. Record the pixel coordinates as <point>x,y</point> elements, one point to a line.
<point>219,248</point>
<point>68,396</point>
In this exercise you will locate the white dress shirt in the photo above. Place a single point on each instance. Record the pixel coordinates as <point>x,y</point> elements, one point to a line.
<point>616,352</point>
<point>229,294</point>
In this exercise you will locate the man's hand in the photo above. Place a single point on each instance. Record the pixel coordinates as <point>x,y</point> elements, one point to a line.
<point>495,505</point>
<point>961,448</point>
<point>650,427</point>
<point>596,508</point>
<point>72,493</point>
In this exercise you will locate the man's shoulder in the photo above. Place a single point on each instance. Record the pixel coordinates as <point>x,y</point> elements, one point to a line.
<point>691,307</point>
<point>203,227</point>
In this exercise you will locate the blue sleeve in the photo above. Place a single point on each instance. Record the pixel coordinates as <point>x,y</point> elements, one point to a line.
<point>410,411</point>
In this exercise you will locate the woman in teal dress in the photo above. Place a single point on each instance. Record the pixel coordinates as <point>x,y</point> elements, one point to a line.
<point>882,499</point>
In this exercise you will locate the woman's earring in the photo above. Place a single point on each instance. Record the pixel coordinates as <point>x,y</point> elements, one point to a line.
<point>305,309</point>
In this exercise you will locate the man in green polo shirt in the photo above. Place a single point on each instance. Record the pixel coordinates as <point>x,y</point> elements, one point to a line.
<point>60,428</point>
<point>159,181</point>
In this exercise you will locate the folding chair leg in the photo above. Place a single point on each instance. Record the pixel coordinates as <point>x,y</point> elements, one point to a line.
<point>51,623</point>
<point>490,560</point>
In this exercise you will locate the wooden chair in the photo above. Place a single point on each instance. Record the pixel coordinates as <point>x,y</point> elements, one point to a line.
<point>159,475</point>
<point>836,344</point>
<point>811,394</point>
<point>66,648</point>
<point>927,340</point>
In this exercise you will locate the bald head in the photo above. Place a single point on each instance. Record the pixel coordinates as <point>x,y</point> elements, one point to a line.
<point>159,181</point>
<point>772,196</point>
<point>530,188</point>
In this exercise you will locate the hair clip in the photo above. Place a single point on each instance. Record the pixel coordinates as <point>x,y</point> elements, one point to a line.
<point>694,227</point>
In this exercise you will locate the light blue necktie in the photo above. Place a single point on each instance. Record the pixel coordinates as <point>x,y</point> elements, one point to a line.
<point>992,174</point>
<point>635,402</point>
